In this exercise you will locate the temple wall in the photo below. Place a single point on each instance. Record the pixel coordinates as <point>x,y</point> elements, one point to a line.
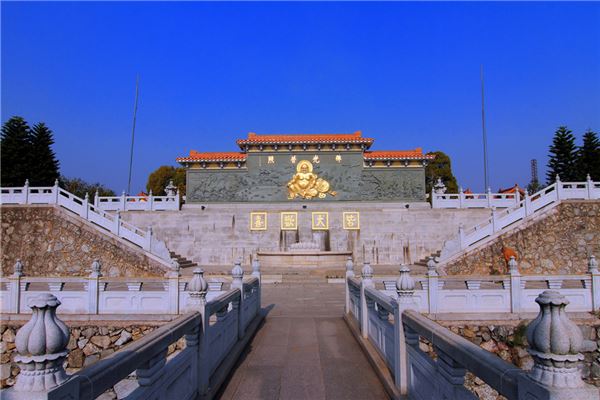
<point>264,182</point>
<point>390,233</point>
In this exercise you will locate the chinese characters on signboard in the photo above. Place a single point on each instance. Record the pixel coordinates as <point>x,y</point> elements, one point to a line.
<point>319,220</point>
<point>289,221</point>
<point>351,220</point>
<point>258,221</point>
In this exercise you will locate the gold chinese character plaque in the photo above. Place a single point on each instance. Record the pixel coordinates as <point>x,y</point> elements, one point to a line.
<point>351,220</point>
<point>258,221</point>
<point>289,221</point>
<point>320,220</point>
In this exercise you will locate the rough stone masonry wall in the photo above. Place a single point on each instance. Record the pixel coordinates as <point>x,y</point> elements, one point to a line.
<point>87,344</point>
<point>557,242</point>
<point>507,340</point>
<point>51,241</point>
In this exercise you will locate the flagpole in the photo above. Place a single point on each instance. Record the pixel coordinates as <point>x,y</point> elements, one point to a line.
<point>485,156</point>
<point>137,84</point>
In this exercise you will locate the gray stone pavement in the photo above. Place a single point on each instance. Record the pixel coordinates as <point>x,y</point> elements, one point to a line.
<point>304,350</point>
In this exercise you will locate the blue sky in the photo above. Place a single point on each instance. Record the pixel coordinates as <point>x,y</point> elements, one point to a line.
<point>406,74</point>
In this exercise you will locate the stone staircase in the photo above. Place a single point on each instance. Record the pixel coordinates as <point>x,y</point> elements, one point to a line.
<point>423,261</point>
<point>184,263</point>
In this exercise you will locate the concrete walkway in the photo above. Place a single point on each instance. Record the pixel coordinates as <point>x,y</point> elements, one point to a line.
<point>304,350</point>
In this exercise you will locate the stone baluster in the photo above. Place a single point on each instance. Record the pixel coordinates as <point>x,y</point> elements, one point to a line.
<point>558,184</point>
<point>515,285</point>
<point>26,192</point>
<point>84,206</point>
<point>197,288</point>
<point>123,201</point>
<point>349,274</point>
<point>589,184</point>
<point>595,278</point>
<point>461,236</point>
<point>405,288</point>
<point>366,282</point>
<point>55,191</point>
<point>148,244</point>
<point>15,287</point>
<point>117,226</point>
<point>527,205</point>
<point>493,219</point>
<point>489,197</point>
<point>150,203</point>
<point>237,275</point>
<point>256,267</point>
<point>173,286</point>
<point>432,285</point>
<point>178,199</point>
<point>93,287</point>
<point>42,347</point>
<point>555,343</point>
<point>461,197</point>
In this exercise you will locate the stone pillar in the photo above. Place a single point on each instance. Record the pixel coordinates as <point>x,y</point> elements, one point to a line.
<point>558,188</point>
<point>527,205</point>
<point>515,285</point>
<point>555,343</point>
<point>42,347</point>
<point>489,197</point>
<point>595,275</point>
<point>123,201</point>
<point>84,206</point>
<point>197,288</point>
<point>256,267</point>
<point>493,217</point>
<point>461,197</point>
<point>93,287</point>
<point>15,287</point>
<point>150,203</point>
<point>173,287</point>
<point>117,227</point>
<point>237,275</point>
<point>405,288</point>
<point>432,285</point>
<point>366,282</point>
<point>461,236</point>
<point>97,199</point>
<point>349,274</point>
<point>26,192</point>
<point>590,186</point>
<point>55,191</point>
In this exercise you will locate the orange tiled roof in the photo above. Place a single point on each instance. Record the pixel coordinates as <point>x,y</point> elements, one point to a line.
<point>416,154</point>
<point>213,156</point>
<point>355,137</point>
<point>512,190</point>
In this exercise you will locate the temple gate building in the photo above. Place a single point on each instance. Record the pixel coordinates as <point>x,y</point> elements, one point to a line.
<point>322,167</point>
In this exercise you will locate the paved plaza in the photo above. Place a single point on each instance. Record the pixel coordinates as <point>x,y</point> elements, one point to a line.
<point>304,350</point>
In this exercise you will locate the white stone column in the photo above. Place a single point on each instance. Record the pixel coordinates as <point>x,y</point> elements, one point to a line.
<point>84,206</point>
<point>366,282</point>
<point>589,185</point>
<point>150,204</point>
<point>15,287</point>
<point>558,188</point>
<point>461,197</point>
<point>405,288</point>
<point>461,236</point>
<point>237,275</point>
<point>97,199</point>
<point>493,217</point>
<point>42,347</point>
<point>432,285</point>
<point>123,201</point>
<point>349,274</point>
<point>595,275</point>
<point>489,197</point>
<point>173,287</point>
<point>26,192</point>
<point>93,287</point>
<point>55,191</point>
<point>515,285</point>
<point>197,288</point>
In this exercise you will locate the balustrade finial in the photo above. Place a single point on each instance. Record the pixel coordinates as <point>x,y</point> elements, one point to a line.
<point>592,265</point>
<point>197,288</point>
<point>349,265</point>
<point>405,285</point>
<point>557,178</point>
<point>87,196</point>
<point>18,268</point>
<point>42,347</point>
<point>56,182</point>
<point>555,343</point>
<point>513,267</point>
<point>237,272</point>
<point>588,177</point>
<point>367,271</point>
<point>26,182</point>
<point>96,269</point>
<point>255,265</point>
<point>431,267</point>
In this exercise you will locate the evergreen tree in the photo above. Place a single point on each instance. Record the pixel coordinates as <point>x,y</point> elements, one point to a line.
<point>15,152</point>
<point>588,160</point>
<point>44,165</point>
<point>440,167</point>
<point>563,156</point>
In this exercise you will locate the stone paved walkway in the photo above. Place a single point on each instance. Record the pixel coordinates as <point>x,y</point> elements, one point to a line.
<point>304,350</point>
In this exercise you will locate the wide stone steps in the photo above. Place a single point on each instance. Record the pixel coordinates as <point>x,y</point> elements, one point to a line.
<point>184,263</point>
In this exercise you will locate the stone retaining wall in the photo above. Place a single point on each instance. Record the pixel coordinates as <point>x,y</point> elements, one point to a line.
<point>51,241</point>
<point>558,242</point>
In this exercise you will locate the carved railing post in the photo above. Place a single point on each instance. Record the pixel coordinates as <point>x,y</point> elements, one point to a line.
<point>84,206</point>
<point>15,287</point>
<point>515,285</point>
<point>237,275</point>
<point>589,184</point>
<point>489,197</point>
<point>432,285</point>
<point>595,278</point>
<point>349,274</point>
<point>558,187</point>
<point>461,197</point>
<point>55,191</point>
<point>123,201</point>
<point>366,282</point>
<point>461,236</point>
<point>405,288</point>
<point>149,206</point>
<point>173,286</point>
<point>42,347</point>
<point>555,343</point>
<point>93,287</point>
<point>26,192</point>
<point>197,288</point>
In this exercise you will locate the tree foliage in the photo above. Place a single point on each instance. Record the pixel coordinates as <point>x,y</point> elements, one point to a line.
<point>79,187</point>
<point>588,161</point>
<point>563,156</point>
<point>27,154</point>
<point>159,179</point>
<point>440,167</point>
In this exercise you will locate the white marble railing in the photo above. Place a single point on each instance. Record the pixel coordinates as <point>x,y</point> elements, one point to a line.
<point>137,203</point>
<point>394,327</point>
<point>97,294</point>
<point>214,338</point>
<point>110,222</point>
<point>512,293</point>
<point>545,199</point>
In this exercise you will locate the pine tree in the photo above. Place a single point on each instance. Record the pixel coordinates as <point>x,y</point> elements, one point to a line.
<point>563,156</point>
<point>44,165</point>
<point>15,149</point>
<point>440,167</point>
<point>588,161</point>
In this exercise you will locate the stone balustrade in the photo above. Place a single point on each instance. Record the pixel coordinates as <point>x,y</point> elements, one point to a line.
<point>110,222</point>
<point>393,326</point>
<point>97,294</point>
<point>215,331</point>
<point>137,203</point>
<point>522,209</point>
